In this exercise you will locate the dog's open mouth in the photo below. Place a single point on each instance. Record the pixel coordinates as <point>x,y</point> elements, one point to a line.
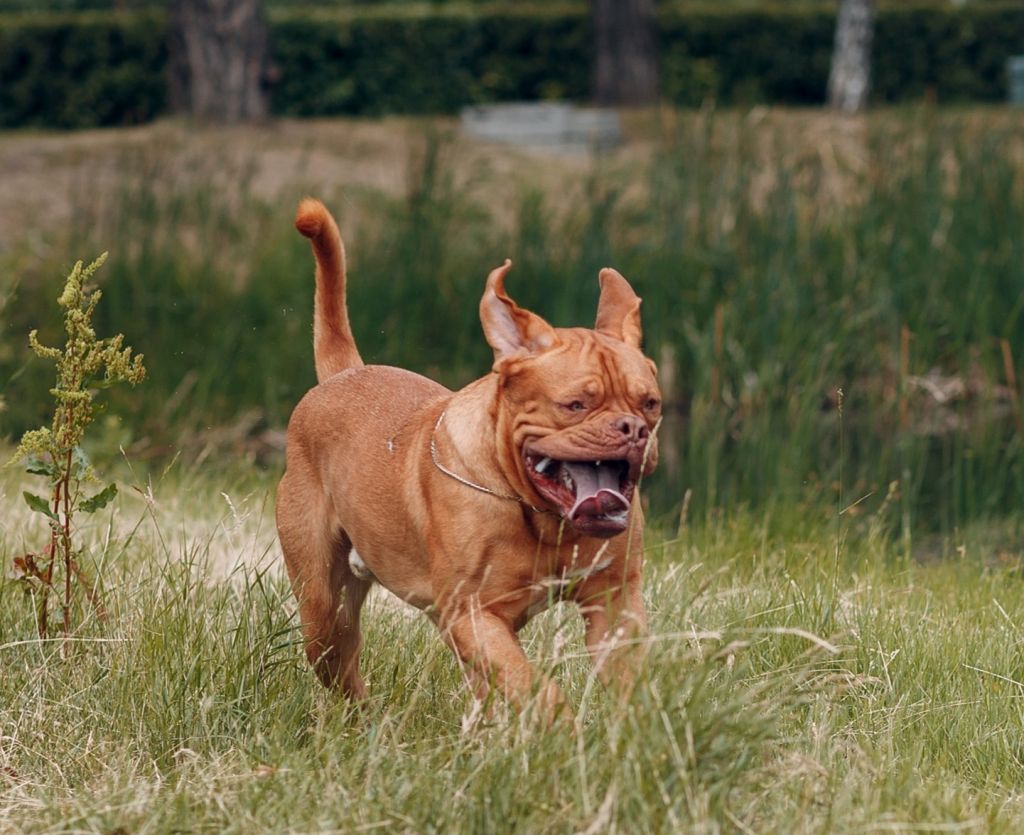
<point>593,496</point>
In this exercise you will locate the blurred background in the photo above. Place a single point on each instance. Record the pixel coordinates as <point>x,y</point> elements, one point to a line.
<point>821,204</point>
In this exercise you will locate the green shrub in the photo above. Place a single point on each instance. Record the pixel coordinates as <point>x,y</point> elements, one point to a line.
<point>760,55</point>
<point>84,70</point>
<point>104,69</point>
<point>398,62</point>
<point>957,56</point>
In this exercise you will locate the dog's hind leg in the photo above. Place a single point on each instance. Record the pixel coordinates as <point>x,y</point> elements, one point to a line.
<point>329,607</point>
<point>330,596</point>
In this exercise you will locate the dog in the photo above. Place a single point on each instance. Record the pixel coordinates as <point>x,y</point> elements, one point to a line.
<point>481,506</point>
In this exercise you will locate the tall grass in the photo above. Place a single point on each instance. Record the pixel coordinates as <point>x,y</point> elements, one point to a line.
<point>779,262</point>
<point>783,692</point>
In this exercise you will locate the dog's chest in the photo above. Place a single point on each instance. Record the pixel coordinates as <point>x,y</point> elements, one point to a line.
<point>568,575</point>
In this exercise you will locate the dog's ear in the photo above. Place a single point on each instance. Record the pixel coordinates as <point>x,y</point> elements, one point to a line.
<point>618,310</point>
<point>510,330</point>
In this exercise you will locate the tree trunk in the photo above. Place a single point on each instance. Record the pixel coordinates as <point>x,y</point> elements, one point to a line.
<point>625,52</point>
<point>218,59</point>
<point>850,78</point>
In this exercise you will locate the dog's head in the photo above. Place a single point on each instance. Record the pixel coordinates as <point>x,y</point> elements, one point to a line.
<point>579,407</point>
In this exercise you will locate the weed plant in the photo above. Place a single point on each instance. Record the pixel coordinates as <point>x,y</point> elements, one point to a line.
<point>882,258</point>
<point>84,364</point>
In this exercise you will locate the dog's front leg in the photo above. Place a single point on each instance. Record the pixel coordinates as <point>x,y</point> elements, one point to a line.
<point>488,645</point>
<point>615,622</point>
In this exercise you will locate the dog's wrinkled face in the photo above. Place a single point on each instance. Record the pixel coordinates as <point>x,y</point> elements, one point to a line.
<point>585,430</point>
<point>582,404</point>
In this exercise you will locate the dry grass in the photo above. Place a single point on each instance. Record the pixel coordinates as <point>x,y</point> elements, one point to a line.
<point>222,529</point>
<point>47,173</point>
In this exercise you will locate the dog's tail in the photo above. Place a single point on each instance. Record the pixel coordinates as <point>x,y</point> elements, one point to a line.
<point>334,348</point>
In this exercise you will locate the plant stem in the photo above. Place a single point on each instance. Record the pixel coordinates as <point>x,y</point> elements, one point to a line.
<point>66,480</point>
<point>42,617</point>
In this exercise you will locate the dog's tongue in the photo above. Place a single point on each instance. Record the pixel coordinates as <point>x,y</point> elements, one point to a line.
<point>597,490</point>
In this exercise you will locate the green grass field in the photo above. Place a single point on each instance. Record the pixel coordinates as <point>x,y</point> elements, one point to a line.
<point>800,678</point>
<point>834,566</point>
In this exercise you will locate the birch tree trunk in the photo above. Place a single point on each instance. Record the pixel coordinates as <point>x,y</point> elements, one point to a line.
<point>849,80</point>
<point>625,52</point>
<point>218,59</point>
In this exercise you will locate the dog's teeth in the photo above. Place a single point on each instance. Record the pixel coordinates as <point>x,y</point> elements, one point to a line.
<point>542,464</point>
<point>597,463</point>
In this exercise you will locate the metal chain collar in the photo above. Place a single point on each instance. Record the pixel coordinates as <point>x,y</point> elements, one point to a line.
<point>466,481</point>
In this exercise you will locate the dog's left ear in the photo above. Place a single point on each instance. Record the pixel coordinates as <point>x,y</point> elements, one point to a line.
<point>618,310</point>
<point>511,330</point>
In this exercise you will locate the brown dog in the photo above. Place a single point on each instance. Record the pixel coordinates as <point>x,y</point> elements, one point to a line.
<point>479,506</point>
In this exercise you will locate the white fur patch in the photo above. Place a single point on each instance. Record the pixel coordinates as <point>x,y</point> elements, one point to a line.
<point>359,568</point>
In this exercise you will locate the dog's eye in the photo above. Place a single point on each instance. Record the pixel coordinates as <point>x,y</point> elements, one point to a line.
<point>652,404</point>
<point>575,406</point>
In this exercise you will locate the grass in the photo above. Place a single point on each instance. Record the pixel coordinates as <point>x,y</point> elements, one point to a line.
<point>836,635</point>
<point>782,256</point>
<point>801,678</point>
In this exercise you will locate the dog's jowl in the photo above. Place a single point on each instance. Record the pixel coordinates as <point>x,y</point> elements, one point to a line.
<point>472,505</point>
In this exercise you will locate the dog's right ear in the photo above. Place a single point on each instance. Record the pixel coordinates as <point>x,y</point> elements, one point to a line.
<point>618,310</point>
<point>510,330</point>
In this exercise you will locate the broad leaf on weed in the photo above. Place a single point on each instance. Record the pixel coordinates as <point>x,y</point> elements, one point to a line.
<point>100,500</point>
<point>39,505</point>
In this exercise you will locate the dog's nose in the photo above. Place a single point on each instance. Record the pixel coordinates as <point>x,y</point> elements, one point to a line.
<point>633,428</point>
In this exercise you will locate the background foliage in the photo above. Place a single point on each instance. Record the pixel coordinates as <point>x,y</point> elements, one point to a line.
<point>75,71</point>
<point>85,5</point>
<point>99,68</point>
<point>881,258</point>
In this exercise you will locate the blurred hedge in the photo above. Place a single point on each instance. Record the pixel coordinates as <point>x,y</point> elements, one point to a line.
<point>86,5</point>
<point>403,61</point>
<point>80,70</point>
